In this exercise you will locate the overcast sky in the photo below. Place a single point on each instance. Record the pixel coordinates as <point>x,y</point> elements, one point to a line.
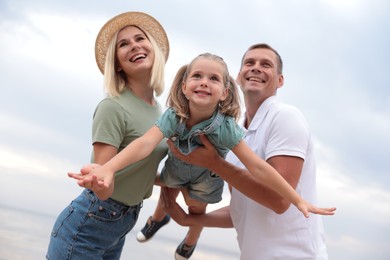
<point>336,56</point>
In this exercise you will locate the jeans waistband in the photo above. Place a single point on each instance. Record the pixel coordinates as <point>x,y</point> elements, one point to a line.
<point>117,204</point>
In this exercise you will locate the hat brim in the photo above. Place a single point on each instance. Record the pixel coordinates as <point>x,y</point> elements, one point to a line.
<point>144,21</point>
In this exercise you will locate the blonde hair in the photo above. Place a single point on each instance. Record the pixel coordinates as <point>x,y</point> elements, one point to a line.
<point>115,81</point>
<point>177,100</point>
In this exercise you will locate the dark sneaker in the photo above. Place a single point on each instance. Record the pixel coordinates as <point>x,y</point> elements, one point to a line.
<point>151,227</point>
<point>184,251</point>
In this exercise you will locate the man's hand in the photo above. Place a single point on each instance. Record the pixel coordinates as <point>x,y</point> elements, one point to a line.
<point>205,156</point>
<point>171,207</point>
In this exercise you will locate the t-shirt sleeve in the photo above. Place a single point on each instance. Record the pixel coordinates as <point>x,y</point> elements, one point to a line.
<point>289,135</point>
<point>108,123</point>
<point>167,122</point>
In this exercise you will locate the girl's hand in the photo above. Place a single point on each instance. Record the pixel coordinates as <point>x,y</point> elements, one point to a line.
<point>85,178</point>
<point>306,207</point>
<point>88,178</point>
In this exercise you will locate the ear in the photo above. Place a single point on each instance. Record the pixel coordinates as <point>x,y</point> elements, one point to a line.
<point>238,79</point>
<point>183,88</point>
<point>225,94</point>
<point>280,81</point>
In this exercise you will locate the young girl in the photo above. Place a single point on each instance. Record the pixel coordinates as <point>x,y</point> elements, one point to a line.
<point>202,100</point>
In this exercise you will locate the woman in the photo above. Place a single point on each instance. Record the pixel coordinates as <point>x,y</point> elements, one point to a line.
<point>131,50</point>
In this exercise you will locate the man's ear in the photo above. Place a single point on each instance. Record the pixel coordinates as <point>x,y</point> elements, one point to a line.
<point>280,81</point>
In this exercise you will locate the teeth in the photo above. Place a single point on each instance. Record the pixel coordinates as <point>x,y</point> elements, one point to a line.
<point>202,92</point>
<point>255,79</point>
<point>136,57</point>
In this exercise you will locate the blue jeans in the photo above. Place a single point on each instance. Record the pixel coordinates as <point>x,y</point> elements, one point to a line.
<point>90,228</point>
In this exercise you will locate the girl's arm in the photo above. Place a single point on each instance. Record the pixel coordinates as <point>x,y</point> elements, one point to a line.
<point>270,177</point>
<point>251,185</point>
<point>102,153</point>
<point>217,218</point>
<point>134,152</point>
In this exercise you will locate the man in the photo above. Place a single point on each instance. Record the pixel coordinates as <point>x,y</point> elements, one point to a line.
<point>266,225</point>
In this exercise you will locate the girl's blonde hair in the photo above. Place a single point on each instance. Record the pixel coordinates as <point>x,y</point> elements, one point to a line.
<point>115,82</point>
<point>177,100</point>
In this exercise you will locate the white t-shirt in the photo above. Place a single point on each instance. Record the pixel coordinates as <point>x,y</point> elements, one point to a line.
<point>279,129</point>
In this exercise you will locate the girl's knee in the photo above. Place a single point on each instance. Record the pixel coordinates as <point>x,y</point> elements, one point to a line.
<point>198,208</point>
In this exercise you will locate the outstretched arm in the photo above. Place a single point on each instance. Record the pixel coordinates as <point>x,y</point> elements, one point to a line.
<point>218,218</point>
<point>271,178</point>
<point>103,177</point>
<point>241,179</point>
<point>91,182</point>
<point>102,154</point>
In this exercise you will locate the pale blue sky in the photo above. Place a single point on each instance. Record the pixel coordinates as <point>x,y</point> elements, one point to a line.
<point>336,56</point>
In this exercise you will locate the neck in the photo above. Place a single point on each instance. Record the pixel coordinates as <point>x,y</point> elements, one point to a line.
<point>196,116</point>
<point>252,104</point>
<point>138,83</point>
<point>143,91</point>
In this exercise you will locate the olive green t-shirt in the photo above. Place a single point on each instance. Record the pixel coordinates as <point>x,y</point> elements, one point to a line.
<point>118,121</point>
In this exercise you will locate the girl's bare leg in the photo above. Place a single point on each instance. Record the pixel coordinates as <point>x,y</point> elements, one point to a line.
<point>159,213</point>
<point>194,207</point>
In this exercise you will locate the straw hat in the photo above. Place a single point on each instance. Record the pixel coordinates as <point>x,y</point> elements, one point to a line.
<point>141,20</point>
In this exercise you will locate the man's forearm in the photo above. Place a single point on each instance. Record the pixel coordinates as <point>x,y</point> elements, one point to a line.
<point>242,180</point>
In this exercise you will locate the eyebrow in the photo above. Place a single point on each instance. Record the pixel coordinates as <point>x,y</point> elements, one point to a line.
<point>262,60</point>
<point>135,36</point>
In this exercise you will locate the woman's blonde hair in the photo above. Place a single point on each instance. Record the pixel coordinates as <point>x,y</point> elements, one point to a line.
<point>178,101</point>
<point>115,81</point>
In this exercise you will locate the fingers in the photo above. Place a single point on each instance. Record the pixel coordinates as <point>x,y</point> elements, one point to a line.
<point>170,144</point>
<point>102,184</point>
<point>82,180</point>
<point>168,197</point>
<point>86,169</point>
<point>76,176</point>
<point>327,211</point>
<point>206,142</point>
<point>323,211</point>
<point>175,150</point>
<point>165,203</point>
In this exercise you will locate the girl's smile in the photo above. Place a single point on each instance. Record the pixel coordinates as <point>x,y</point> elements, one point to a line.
<point>204,86</point>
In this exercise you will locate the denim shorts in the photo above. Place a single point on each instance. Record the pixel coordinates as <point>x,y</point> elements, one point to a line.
<point>202,184</point>
<point>90,228</point>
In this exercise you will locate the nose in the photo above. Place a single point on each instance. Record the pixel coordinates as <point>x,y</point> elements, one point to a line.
<point>134,45</point>
<point>204,82</point>
<point>256,67</point>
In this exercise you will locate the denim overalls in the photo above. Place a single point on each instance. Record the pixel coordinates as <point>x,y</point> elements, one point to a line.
<point>202,184</point>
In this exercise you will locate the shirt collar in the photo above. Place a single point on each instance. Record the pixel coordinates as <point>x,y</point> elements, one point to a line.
<point>261,113</point>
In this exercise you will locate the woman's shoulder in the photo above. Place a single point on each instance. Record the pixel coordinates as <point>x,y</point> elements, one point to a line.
<point>107,103</point>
